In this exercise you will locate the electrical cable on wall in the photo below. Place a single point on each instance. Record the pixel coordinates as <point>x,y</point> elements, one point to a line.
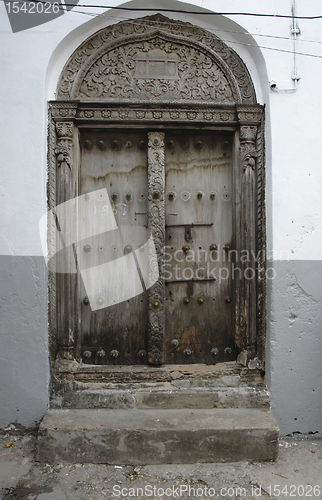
<point>199,13</point>
<point>295,30</point>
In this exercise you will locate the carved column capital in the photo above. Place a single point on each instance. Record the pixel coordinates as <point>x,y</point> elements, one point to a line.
<point>64,146</point>
<point>64,129</point>
<point>248,153</point>
<point>156,224</point>
<point>248,133</point>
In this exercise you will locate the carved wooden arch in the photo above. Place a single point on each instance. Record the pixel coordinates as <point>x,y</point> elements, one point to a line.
<point>86,96</point>
<point>107,59</point>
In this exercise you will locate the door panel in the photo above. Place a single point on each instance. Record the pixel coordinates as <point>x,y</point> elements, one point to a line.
<point>114,334</point>
<point>199,310</point>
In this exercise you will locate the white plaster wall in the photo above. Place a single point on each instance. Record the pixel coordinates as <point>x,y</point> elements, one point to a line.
<point>31,61</point>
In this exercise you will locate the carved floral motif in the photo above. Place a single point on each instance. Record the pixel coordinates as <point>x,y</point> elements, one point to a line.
<point>64,129</point>
<point>115,74</point>
<point>156,224</point>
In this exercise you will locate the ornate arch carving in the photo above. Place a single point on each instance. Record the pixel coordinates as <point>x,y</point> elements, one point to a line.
<point>155,58</point>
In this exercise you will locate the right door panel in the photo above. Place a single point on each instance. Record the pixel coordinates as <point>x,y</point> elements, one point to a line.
<point>199,321</point>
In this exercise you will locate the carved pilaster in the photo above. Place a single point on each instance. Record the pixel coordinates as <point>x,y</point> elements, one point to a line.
<point>51,238</point>
<point>66,279</point>
<point>246,291</point>
<point>261,244</point>
<point>156,224</point>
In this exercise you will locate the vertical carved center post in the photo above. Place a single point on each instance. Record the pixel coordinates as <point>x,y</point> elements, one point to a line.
<point>156,225</point>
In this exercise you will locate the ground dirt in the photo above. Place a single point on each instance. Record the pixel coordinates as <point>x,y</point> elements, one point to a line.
<point>296,474</point>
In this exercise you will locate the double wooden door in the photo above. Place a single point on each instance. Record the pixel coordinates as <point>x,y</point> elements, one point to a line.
<point>199,239</point>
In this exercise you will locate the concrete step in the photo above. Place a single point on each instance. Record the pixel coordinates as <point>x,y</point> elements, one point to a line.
<point>162,436</point>
<point>81,396</point>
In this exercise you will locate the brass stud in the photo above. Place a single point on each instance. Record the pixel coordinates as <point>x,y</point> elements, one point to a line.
<point>199,195</point>
<point>156,304</point>
<point>185,248</point>
<point>198,145</point>
<point>226,247</point>
<point>200,300</point>
<point>86,301</point>
<point>142,353</point>
<point>228,350</point>
<point>228,300</point>
<point>186,300</point>
<point>213,247</point>
<point>101,144</point>
<point>187,352</point>
<point>87,144</point>
<point>175,343</point>
<point>214,351</point>
<point>114,353</point>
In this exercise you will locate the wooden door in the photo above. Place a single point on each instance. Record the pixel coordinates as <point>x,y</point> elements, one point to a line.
<point>199,305</point>
<point>199,237</point>
<point>114,333</point>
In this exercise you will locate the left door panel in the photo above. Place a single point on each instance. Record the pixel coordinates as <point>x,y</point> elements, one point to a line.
<point>112,296</point>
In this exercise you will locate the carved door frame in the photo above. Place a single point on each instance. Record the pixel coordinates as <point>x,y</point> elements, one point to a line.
<point>244,118</point>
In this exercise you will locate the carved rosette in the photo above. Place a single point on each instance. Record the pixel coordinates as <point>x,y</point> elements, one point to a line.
<point>171,115</point>
<point>64,148</point>
<point>156,224</point>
